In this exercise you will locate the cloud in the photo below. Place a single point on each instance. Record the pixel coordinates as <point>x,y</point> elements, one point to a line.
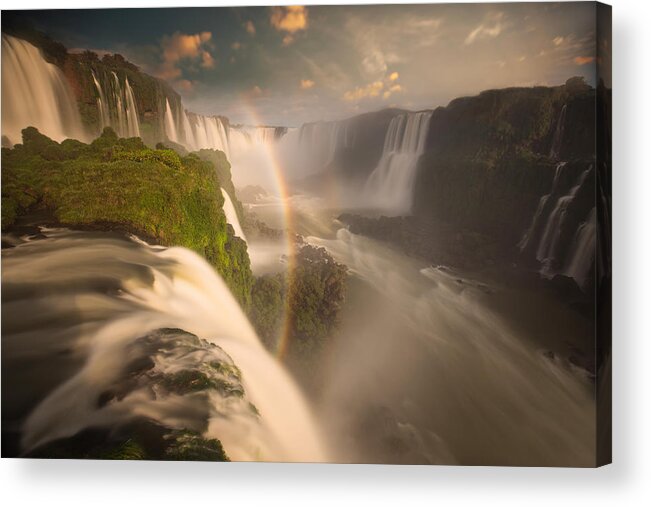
<point>306,84</point>
<point>290,19</point>
<point>184,85</point>
<point>361,92</point>
<point>558,40</point>
<point>236,45</point>
<point>250,28</point>
<point>182,47</point>
<point>385,87</point>
<point>583,60</point>
<point>492,26</point>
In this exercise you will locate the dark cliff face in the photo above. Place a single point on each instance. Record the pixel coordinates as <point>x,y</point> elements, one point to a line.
<point>490,158</point>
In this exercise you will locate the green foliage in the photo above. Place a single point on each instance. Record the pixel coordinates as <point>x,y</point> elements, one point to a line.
<point>190,446</point>
<point>152,193</point>
<point>312,293</point>
<point>223,168</point>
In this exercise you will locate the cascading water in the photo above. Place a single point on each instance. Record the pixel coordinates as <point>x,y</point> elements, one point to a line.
<point>102,104</point>
<point>558,134</point>
<point>231,215</point>
<point>35,93</point>
<point>116,104</point>
<point>390,185</point>
<point>315,145</point>
<point>549,224</point>
<point>444,378</point>
<point>197,132</point>
<point>582,254</point>
<point>133,125</point>
<point>97,296</point>
<point>170,123</point>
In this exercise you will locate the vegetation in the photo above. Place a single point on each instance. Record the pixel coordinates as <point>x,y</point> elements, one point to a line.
<point>311,294</point>
<point>141,439</point>
<point>122,184</point>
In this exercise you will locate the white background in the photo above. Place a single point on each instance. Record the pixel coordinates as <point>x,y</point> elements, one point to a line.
<point>626,482</point>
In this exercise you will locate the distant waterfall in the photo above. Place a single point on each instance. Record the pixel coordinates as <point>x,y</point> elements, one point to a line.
<point>582,254</point>
<point>558,135</point>
<point>323,140</point>
<point>194,131</point>
<point>116,105</point>
<point>35,93</point>
<point>231,215</point>
<point>390,185</point>
<point>551,230</point>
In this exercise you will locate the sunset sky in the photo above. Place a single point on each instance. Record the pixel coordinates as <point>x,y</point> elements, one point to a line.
<point>287,65</point>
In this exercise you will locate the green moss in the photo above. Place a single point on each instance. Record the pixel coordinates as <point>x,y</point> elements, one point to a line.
<point>153,193</point>
<point>190,446</point>
<point>313,295</point>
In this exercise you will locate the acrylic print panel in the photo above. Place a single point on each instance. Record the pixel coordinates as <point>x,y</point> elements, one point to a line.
<point>347,234</point>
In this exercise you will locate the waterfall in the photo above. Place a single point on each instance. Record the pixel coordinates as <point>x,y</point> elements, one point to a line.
<point>116,104</point>
<point>102,104</point>
<point>170,123</point>
<point>558,134</point>
<point>537,222</point>
<point>35,93</point>
<point>71,276</point>
<point>548,231</point>
<point>546,252</point>
<point>583,251</point>
<point>198,132</point>
<point>390,185</point>
<point>231,215</point>
<point>317,144</point>
<point>133,126</point>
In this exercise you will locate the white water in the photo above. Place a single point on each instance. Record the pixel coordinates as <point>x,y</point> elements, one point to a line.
<point>116,105</point>
<point>546,252</point>
<point>231,215</point>
<point>314,146</point>
<point>133,125</point>
<point>102,104</point>
<point>558,134</point>
<point>170,124</point>
<point>459,384</point>
<point>583,251</point>
<point>390,186</point>
<point>35,93</point>
<point>159,288</point>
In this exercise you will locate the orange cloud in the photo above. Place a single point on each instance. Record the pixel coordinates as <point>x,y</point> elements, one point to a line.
<point>291,19</point>
<point>583,60</point>
<point>179,47</point>
<point>306,84</point>
<point>236,45</point>
<point>250,28</point>
<point>362,92</point>
<point>385,87</point>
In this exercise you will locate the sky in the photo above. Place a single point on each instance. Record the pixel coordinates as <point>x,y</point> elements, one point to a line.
<point>289,65</point>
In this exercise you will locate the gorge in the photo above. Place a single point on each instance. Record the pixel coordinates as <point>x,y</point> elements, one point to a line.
<point>377,298</point>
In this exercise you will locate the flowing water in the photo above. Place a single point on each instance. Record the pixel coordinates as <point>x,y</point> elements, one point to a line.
<point>390,186</point>
<point>231,215</point>
<point>35,93</point>
<point>74,303</point>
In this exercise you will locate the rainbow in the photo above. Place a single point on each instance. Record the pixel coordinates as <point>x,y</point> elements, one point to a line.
<point>282,188</point>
